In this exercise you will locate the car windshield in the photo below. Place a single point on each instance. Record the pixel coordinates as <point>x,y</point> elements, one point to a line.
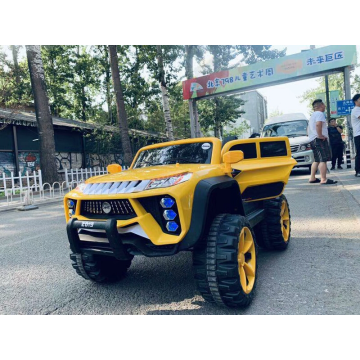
<point>191,153</point>
<point>289,129</point>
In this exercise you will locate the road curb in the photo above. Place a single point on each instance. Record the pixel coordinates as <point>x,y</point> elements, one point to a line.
<point>39,204</point>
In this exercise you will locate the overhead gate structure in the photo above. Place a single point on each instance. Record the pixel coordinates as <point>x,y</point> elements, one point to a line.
<point>305,65</point>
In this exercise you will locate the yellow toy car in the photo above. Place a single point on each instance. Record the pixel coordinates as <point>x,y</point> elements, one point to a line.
<point>218,202</point>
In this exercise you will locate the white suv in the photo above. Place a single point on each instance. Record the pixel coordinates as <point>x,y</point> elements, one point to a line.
<point>294,126</point>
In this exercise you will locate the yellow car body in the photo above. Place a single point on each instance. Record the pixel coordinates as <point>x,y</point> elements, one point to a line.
<point>255,176</point>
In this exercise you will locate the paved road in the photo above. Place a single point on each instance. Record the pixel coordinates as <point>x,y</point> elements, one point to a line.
<point>318,274</point>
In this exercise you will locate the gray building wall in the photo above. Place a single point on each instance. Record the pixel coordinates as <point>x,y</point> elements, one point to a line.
<point>255,108</point>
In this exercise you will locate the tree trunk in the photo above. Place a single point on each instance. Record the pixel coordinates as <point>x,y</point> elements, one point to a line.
<point>44,120</point>
<point>15,53</point>
<point>83,104</point>
<point>217,130</point>
<point>120,106</point>
<point>217,68</point>
<point>165,95</point>
<point>189,56</point>
<point>83,97</point>
<point>108,94</point>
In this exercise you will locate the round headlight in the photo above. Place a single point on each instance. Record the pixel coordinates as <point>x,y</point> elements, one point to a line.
<point>106,207</point>
<point>303,147</point>
<point>70,204</point>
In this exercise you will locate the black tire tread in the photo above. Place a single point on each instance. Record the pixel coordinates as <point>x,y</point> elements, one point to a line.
<point>99,269</point>
<point>269,233</point>
<point>216,265</point>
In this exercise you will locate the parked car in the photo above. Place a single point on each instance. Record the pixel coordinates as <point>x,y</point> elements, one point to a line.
<point>294,126</point>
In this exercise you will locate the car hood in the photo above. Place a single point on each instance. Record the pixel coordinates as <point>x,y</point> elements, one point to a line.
<point>299,140</point>
<point>148,173</point>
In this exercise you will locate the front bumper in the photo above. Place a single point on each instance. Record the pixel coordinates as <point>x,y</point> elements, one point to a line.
<point>303,158</point>
<point>121,246</point>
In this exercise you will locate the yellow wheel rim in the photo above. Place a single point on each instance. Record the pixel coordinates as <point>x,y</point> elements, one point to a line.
<point>246,260</point>
<point>285,221</point>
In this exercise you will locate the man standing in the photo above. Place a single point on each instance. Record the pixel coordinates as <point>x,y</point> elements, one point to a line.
<point>318,136</point>
<point>355,122</point>
<point>336,143</point>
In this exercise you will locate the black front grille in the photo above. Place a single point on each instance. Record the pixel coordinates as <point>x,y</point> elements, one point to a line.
<point>120,209</point>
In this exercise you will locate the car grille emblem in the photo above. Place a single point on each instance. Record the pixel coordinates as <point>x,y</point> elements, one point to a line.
<point>106,207</point>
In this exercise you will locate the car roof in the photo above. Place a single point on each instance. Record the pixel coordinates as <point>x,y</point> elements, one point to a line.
<point>286,117</point>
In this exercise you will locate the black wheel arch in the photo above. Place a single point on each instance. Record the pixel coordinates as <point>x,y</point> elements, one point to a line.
<point>212,196</point>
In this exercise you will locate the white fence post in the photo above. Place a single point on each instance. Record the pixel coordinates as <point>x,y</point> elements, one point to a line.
<point>35,183</point>
<point>4,179</point>
<point>66,178</point>
<point>27,180</point>
<point>20,179</point>
<point>40,179</point>
<point>12,183</point>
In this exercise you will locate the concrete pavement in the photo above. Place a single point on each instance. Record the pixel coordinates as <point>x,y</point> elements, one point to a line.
<point>317,274</point>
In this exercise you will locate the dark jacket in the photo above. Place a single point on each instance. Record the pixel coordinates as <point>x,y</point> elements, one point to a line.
<point>334,135</point>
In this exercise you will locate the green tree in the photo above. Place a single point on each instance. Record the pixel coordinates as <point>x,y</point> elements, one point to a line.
<point>238,130</point>
<point>163,65</point>
<point>84,83</point>
<point>216,113</point>
<point>120,105</point>
<point>254,53</point>
<point>192,51</point>
<point>356,85</point>
<point>59,72</point>
<point>180,112</point>
<point>15,87</point>
<point>43,115</point>
<point>276,112</point>
<point>226,57</point>
<point>336,82</point>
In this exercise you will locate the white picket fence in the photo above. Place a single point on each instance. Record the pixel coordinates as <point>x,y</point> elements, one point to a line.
<point>79,175</point>
<point>17,190</point>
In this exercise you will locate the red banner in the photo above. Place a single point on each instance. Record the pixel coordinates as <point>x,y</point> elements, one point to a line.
<point>200,85</point>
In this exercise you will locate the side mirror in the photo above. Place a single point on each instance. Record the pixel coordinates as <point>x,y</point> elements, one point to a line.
<point>114,168</point>
<point>232,157</point>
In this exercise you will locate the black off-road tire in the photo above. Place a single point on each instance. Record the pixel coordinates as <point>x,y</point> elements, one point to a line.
<point>99,268</point>
<point>200,273</point>
<point>216,266</point>
<point>269,233</point>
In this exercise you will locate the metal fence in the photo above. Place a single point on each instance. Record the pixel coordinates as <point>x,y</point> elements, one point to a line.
<point>29,188</point>
<point>10,185</point>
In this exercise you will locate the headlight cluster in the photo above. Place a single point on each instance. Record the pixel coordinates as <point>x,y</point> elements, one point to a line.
<point>72,207</point>
<point>169,214</point>
<point>168,181</point>
<point>305,147</point>
<point>81,187</point>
